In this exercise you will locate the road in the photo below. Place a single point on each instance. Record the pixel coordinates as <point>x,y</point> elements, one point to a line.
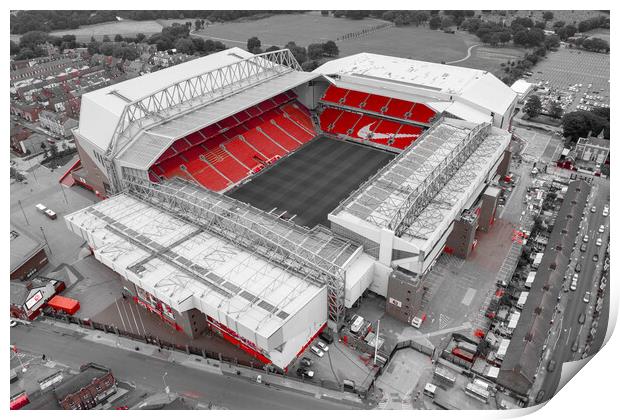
<point>71,349</point>
<point>590,272</point>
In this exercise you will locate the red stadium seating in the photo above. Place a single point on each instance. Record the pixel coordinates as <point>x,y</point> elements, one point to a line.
<point>281,137</point>
<point>219,160</point>
<point>334,94</point>
<point>376,103</point>
<point>421,113</point>
<point>355,99</point>
<point>329,117</point>
<point>294,130</point>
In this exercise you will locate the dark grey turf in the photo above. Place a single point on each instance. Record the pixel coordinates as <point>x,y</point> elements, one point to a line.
<point>312,181</point>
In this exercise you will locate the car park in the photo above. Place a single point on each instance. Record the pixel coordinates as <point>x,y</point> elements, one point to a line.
<point>586,297</point>
<point>317,351</point>
<point>322,346</point>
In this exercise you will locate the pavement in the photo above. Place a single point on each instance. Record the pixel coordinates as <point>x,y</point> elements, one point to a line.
<point>187,375</point>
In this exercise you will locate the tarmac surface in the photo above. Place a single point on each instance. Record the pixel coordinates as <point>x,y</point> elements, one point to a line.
<point>205,384</point>
<point>312,181</point>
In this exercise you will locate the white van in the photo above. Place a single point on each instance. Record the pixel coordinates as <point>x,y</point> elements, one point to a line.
<point>41,208</point>
<point>357,324</point>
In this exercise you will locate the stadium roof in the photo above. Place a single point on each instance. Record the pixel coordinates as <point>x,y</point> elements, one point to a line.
<point>151,143</point>
<point>434,81</point>
<point>387,194</point>
<point>526,345</point>
<point>187,267</point>
<point>102,108</point>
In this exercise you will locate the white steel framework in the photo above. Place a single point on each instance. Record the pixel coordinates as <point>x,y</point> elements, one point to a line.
<point>319,262</point>
<point>207,88</point>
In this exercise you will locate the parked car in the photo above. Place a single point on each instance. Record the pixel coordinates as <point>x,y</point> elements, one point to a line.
<point>327,336</point>
<point>578,268</point>
<point>593,209</point>
<point>317,351</point>
<point>305,361</point>
<point>583,247</point>
<point>606,211</point>
<point>586,297</point>
<point>601,229</point>
<point>13,324</point>
<point>305,373</point>
<point>599,242</point>
<point>586,238</point>
<point>582,318</point>
<point>322,346</point>
<point>575,346</point>
<point>595,257</point>
<point>551,365</point>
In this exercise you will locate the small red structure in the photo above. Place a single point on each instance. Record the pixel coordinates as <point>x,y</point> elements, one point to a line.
<point>65,304</point>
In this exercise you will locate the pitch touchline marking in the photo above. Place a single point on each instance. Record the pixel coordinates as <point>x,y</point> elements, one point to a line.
<point>365,132</point>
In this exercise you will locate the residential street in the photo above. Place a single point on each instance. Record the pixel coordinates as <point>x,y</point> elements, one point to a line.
<point>68,347</point>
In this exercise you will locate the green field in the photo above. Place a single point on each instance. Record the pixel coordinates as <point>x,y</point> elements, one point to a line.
<point>418,43</point>
<point>125,28</point>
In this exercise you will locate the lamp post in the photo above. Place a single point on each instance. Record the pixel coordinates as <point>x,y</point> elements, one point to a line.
<point>377,340</point>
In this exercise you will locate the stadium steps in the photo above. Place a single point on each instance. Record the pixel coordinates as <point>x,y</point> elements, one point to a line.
<point>262,143</point>
<point>258,152</point>
<point>212,166</point>
<point>243,152</point>
<point>294,130</point>
<point>278,131</point>
<point>277,136</point>
<point>298,116</point>
<point>262,132</point>
<point>232,155</point>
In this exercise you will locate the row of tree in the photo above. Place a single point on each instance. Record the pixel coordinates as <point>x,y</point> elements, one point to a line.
<point>581,123</point>
<point>51,20</point>
<point>309,58</point>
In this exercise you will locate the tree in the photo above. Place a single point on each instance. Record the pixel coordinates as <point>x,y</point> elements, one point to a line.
<point>14,48</point>
<point>331,49</point>
<point>447,22</point>
<point>533,106</point>
<point>315,51</point>
<point>272,48</point>
<point>184,45</point>
<point>118,38</point>
<point>581,123</point>
<point>198,24</point>
<point>140,37</point>
<point>299,53</point>
<point>310,65</point>
<point>570,30</point>
<point>324,12</point>
<point>106,38</point>
<point>552,41</point>
<point>253,44</point>
<point>434,22</point>
<point>32,39</point>
<point>556,111</point>
<point>547,16</point>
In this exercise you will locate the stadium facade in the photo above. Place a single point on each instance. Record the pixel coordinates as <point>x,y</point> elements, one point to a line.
<point>170,149</point>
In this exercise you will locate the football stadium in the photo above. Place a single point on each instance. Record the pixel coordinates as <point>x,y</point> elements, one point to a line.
<point>248,197</point>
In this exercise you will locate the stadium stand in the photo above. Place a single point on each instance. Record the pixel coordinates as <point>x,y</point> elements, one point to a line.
<point>225,153</point>
<point>367,128</point>
<point>392,107</point>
